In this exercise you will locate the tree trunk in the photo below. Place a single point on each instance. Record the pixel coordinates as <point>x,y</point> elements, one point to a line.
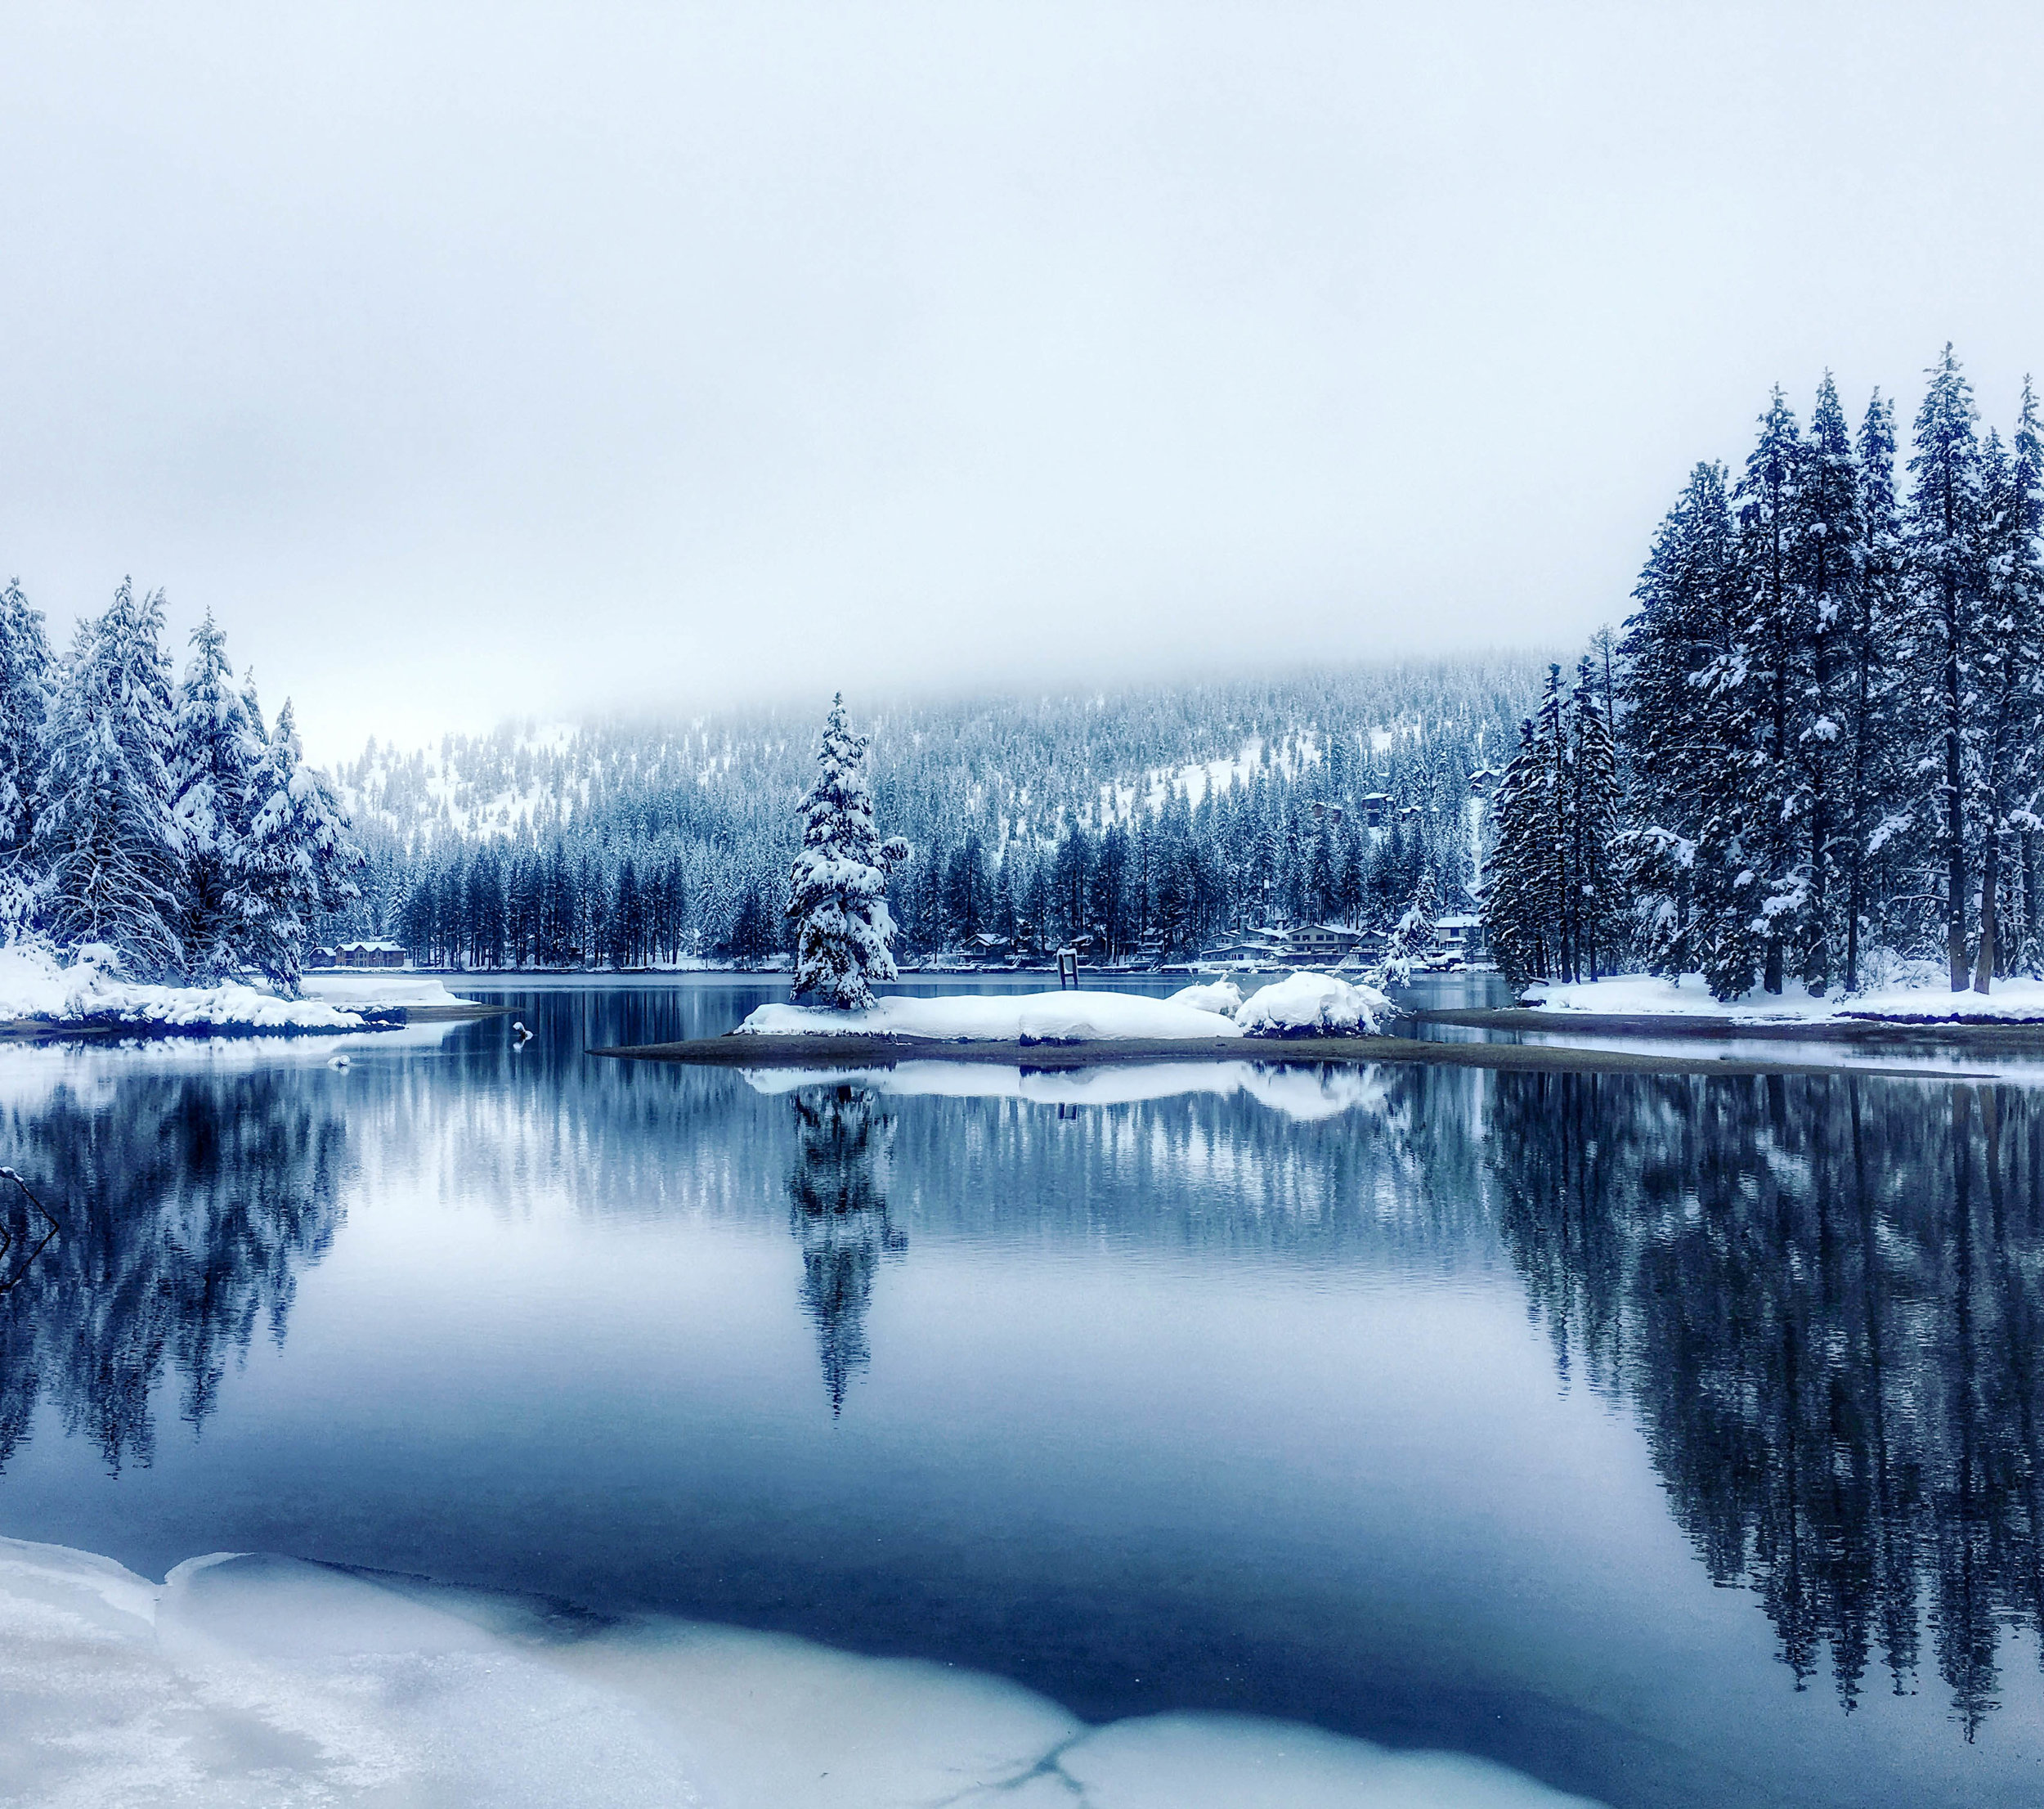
<point>1990,913</point>
<point>1955,798</point>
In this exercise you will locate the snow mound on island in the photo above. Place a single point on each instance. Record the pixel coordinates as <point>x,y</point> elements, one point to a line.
<point>374,989</point>
<point>1313,1005</point>
<point>1223,996</point>
<point>243,1680</point>
<point>37,985</point>
<point>998,1018</point>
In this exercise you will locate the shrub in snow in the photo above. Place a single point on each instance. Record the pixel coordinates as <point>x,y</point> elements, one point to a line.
<point>1223,996</point>
<point>1313,1005</point>
<point>838,892</point>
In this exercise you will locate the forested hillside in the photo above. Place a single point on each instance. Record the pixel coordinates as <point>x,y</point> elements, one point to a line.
<point>1157,818</point>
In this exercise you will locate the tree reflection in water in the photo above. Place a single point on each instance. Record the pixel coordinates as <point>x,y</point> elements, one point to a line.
<point>838,1212</point>
<point>189,1204</point>
<point>1826,1299</point>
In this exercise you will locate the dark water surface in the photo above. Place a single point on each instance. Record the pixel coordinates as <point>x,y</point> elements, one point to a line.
<point>1674,1440</point>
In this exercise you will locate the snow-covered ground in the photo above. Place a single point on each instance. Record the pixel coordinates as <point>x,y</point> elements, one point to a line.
<point>244,1679</point>
<point>369,988</point>
<point>1925,999</point>
<point>1307,1004</point>
<point>37,984</point>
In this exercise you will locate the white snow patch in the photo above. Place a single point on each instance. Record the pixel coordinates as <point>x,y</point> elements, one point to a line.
<point>1914,1002</point>
<point>244,1680</point>
<point>370,988</point>
<point>1313,1005</point>
<point>1010,1018</point>
<point>36,984</point>
<point>1223,996</point>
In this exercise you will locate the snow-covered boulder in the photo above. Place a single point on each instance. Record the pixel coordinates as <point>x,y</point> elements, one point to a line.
<point>1223,996</point>
<point>1313,1005</point>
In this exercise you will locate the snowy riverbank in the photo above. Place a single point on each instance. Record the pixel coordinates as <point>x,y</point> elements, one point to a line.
<point>1307,1004</point>
<point>1925,999</point>
<point>243,1679</point>
<point>39,990</point>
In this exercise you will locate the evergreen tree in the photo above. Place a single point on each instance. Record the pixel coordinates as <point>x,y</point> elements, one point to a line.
<point>1592,792</point>
<point>104,838</point>
<point>1519,911</point>
<point>297,861</point>
<point>213,764</point>
<point>25,689</point>
<point>838,897</point>
<point>1944,536</point>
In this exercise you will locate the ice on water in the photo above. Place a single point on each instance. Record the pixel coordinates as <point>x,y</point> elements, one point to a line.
<point>246,1680</point>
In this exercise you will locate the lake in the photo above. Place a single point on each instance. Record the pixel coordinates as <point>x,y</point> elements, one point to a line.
<point>1668,1439</point>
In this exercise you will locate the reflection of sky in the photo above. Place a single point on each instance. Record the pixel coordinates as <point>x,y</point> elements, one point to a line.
<point>1148,1421</point>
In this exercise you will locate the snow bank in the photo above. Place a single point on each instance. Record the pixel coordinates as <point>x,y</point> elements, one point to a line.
<point>1223,996</point>
<point>369,989</point>
<point>36,984</point>
<point>1923,998</point>
<point>1000,1018</point>
<point>1313,1005</point>
<point>245,1680</point>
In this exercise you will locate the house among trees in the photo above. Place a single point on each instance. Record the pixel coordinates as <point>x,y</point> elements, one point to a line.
<point>378,952</point>
<point>1313,944</point>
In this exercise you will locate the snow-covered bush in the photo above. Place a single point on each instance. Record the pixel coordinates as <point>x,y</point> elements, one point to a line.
<point>1223,996</point>
<point>1313,1005</point>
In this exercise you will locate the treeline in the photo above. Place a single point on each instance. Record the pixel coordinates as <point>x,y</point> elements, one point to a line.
<point>1821,720</point>
<point>1153,820</point>
<point>161,819</point>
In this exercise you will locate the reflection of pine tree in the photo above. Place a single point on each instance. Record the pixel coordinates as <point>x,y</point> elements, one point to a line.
<point>1828,1312</point>
<point>838,1215</point>
<point>189,1204</point>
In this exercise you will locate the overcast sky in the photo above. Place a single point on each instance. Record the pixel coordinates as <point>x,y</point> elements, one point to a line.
<point>490,360</point>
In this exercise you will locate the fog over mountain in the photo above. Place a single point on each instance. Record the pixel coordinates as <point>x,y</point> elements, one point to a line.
<point>471,364</point>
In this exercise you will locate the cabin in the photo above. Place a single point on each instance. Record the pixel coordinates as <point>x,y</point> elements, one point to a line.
<point>1376,810</point>
<point>377,953</point>
<point>1312,944</point>
<point>1461,932</point>
<point>319,958</point>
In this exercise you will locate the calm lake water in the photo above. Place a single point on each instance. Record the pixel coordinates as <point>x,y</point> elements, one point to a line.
<point>1674,1440</point>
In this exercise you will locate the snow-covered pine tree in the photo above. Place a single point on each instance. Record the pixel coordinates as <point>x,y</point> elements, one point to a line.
<point>837,896</point>
<point>24,700</point>
<point>1944,541</point>
<point>296,861</point>
<point>105,839</point>
<point>1593,825</point>
<point>1414,934</point>
<point>2011,647</point>
<point>213,766</point>
<point>1829,556</point>
<point>1518,909</point>
<point>1766,674</point>
<point>1878,801</point>
<point>1677,736</point>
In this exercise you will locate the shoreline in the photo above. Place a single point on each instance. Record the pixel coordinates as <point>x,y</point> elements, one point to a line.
<point>391,1017</point>
<point>828,1053</point>
<point>2005,1035</point>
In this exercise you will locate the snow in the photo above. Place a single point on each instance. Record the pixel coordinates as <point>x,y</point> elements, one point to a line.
<point>36,984</point>
<point>1223,996</point>
<point>1009,1018</point>
<point>1313,1005</point>
<point>1911,1001</point>
<point>373,987</point>
<point>244,1679</point>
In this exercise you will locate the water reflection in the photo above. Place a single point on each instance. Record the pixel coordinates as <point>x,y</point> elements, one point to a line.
<point>189,1203</point>
<point>838,1211</point>
<point>1826,1300</point>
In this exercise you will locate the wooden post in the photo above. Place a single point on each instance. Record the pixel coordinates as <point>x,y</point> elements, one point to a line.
<point>1068,969</point>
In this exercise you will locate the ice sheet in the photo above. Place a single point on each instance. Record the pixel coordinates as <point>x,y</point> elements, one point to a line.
<point>246,1680</point>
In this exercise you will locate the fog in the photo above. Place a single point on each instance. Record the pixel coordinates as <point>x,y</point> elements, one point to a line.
<point>507,360</point>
